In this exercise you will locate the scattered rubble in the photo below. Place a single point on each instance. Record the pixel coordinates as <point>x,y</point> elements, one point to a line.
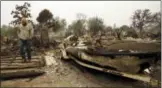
<point>129,65</point>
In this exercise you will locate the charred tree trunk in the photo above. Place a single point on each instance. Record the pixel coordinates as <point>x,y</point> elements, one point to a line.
<point>41,38</point>
<point>118,36</point>
<point>45,36</point>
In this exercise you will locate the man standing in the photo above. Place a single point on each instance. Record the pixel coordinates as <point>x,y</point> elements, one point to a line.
<point>25,33</point>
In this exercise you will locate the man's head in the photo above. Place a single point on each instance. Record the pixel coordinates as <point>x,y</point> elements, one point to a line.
<point>24,21</point>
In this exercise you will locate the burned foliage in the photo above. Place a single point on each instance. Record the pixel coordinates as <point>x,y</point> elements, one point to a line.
<point>19,12</point>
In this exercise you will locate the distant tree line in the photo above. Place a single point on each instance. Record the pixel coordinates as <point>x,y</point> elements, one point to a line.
<point>145,24</point>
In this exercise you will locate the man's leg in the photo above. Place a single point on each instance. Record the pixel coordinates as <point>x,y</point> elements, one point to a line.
<point>22,51</point>
<point>28,48</point>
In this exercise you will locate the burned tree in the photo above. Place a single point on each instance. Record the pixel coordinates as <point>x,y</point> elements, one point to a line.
<point>95,24</point>
<point>19,12</point>
<point>156,25</point>
<point>57,24</point>
<point>44,17</point>
<point>140,19</point>
<point>118,32</point>
<point>78,26</point>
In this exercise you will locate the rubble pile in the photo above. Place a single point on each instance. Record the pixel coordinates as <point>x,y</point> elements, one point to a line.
<point>9,47</point>
<point>129,57</point>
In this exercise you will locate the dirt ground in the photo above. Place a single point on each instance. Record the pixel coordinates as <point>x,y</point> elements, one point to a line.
<point>70,74</point>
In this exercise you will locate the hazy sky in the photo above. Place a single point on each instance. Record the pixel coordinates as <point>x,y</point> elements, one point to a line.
<point>118,12</point>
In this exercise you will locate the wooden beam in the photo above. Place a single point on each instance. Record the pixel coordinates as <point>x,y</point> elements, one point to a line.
<point>20,66</point>
<point>9,74</point>
<point>18,57</point>
<point>17,61</point>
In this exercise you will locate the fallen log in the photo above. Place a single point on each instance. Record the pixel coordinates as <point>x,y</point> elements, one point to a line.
<point>9,74</point>
<point>18,57</point>
<point>17,61</point>
<point>21,66</point>
<point>13,59</point>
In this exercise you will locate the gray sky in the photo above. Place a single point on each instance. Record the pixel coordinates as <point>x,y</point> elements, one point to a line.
<point>111,12</point>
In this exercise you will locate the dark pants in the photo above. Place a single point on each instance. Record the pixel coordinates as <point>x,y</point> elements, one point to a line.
<point>25,48</point>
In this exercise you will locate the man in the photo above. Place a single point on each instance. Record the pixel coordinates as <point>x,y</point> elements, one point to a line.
<point>25,33</point>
